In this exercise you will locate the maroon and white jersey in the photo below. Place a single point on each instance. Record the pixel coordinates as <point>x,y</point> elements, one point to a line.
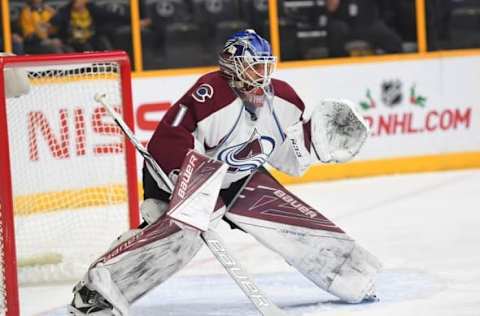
<point>211,118</point>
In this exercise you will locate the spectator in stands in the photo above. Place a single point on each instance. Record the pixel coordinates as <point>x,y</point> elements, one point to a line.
<point>37,31</point>
<point>438,20</point>
<point>17,44</point>
<point>17,40</point>
<point>145,19</point>
<point>351,20</point>
<point>401,16</point>
<point>80,25</point>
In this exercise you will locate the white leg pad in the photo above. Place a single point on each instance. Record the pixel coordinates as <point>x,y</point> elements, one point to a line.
<point>353,281</point>
<point>124,237</point>
<point>99,279</point>
<point>333,261</point>
<point>152,209</point>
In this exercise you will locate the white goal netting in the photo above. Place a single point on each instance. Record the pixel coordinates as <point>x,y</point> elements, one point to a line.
<point>68,170</point>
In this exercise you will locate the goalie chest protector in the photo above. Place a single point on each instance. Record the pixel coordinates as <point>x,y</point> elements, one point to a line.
<point>213,119</point>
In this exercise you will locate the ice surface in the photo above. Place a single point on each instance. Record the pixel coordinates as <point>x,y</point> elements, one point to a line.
<point>424,228</point>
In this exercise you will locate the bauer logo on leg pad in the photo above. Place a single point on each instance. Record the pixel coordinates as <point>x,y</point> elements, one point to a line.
<point>186,176</point>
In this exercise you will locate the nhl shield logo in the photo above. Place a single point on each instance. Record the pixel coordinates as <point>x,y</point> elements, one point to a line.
<point>392,92</point>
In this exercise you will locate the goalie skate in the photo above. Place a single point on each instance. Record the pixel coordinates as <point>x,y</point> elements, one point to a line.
<point>89,302</point>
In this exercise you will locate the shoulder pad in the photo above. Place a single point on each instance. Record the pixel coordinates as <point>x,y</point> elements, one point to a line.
<point>212,88</point>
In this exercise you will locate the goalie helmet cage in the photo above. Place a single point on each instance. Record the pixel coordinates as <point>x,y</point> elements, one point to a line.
<point>68,176</point>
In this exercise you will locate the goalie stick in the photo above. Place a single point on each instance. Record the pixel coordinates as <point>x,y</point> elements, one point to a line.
<point>210,237</point>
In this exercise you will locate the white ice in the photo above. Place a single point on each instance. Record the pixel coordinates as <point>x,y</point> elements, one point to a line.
<point>423,227</point>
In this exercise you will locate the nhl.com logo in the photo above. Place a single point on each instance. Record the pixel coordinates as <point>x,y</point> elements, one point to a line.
<point>405,111</point>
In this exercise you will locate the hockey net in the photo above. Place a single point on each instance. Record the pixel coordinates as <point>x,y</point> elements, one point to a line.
<point>69,181</point>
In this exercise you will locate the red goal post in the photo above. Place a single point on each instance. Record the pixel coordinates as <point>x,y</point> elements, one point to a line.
<point>66,171</point>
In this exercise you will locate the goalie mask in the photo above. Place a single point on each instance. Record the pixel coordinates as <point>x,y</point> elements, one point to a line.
<point>247,61</point>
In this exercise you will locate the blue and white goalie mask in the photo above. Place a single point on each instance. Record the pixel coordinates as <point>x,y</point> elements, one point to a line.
<point>247,60</point>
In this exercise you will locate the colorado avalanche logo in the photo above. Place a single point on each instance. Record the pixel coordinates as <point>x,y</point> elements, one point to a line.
<point>248,156</point>
<point>203,92</point>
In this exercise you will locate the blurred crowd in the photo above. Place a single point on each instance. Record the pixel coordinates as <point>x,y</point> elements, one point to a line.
<point>183,33</point>
<point>40,27</point>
